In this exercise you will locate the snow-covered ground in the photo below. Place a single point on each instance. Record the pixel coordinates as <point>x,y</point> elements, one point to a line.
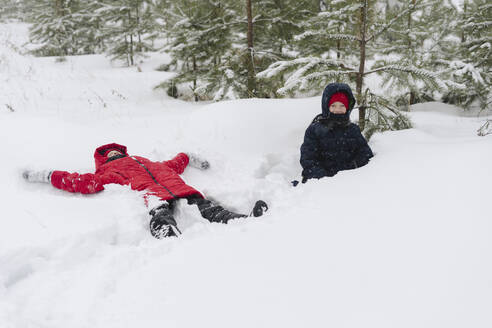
<point>405,241</point>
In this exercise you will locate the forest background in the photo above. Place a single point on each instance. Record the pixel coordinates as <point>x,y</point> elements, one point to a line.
<point>421,50</point>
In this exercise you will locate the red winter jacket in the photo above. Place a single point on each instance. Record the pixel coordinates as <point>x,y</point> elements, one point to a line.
<point>160,179</point>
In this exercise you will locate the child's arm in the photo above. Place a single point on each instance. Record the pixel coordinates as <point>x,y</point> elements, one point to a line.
<point>311,165</point>
<point>363,152</point>
<point>178,163</point>
<point>87,183</point>
<point>72,182</point>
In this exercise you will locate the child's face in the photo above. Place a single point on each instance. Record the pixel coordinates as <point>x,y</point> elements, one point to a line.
<point>338,108</point>
<point>113,153</point>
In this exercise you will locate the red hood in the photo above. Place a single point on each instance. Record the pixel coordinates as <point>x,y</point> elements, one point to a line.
<point>99,154</point>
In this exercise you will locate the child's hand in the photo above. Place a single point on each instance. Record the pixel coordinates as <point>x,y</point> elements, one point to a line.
<point>197,162</point>
<point>37,176</point>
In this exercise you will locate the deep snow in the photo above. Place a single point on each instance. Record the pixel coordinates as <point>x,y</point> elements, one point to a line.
<point>402,242</point>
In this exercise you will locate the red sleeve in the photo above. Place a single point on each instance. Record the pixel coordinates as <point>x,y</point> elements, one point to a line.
<point>178,163</point>
<point>73,182</point>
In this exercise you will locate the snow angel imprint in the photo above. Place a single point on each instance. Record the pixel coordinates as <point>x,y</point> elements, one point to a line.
<point>160,179</point>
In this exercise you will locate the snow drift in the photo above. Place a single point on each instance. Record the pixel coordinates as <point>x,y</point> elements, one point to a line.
<point>402,242</point>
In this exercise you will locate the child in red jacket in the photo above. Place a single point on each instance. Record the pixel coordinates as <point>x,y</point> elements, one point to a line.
<point>160,179</point>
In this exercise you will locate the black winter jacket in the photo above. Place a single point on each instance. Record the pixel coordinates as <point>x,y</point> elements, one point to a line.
<point>331,142</point>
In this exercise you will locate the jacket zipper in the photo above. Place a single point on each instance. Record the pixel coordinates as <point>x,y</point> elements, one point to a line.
<point>153,178</point>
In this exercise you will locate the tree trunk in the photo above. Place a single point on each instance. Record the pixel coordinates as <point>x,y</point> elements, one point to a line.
<point>250,54</point>
<point>339,44</point>
<point>412,98</point>
<point>463,36</point>
<point>194,78</point>
<point>139,45</point>
<point>131,50</point>
<point>59,6</point>
<point>61,36</point>
<point>131,39</point>
<point>127,52</point>
<point>362,62</point>
<point>409,26</point>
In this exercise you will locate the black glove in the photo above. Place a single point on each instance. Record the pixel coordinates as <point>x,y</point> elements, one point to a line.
<point>259,208</point>
<point>296,182</point>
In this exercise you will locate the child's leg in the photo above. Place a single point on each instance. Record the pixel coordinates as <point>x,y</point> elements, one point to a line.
<point>213,212</point>
<point>163,223</point>
<point>216,213</point>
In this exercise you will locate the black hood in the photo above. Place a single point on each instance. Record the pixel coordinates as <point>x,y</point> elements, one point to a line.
<point>330,90</point>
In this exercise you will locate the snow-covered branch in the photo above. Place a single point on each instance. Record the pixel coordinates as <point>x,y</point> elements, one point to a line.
<point>300,80</point>
<point>397,17</point>
<point>308,62</point>
<point>485,129</point>
<point>328,36</point>
<point>419,72</point>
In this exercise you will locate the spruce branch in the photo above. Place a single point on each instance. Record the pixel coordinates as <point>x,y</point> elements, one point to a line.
<point>301,81</point>
<point>328,36</point>
<point>282,66</point>
<point>485,129</point>
<point>423,74</point>
<point>397,17</point>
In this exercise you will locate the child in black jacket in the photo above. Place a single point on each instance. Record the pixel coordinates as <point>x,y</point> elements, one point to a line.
<point>332,143</point>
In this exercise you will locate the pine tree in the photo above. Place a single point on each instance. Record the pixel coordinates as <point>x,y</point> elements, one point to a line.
<point>65,27</point>
<point>471,63</point>
<point>249,45</point>
<point>200,33</point>
<point>410,42</point>
<point>329,31</point>
<point>90,25</point>
<point>276,23</point>
<point>356,24</point>
<point>262,33</point>
<point>324,50</point>
<point>10,9</point>
<point>53,28</point>
<point>127,24</point>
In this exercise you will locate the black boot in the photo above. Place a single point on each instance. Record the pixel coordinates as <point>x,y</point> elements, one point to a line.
<point>213,212</point>
<point>163,223</point>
